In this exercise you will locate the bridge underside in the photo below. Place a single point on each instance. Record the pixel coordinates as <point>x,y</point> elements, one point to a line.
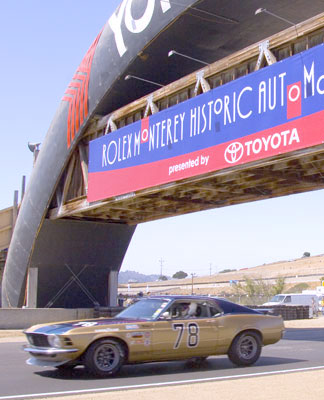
<point>297,172</point>
<point>78,258</point>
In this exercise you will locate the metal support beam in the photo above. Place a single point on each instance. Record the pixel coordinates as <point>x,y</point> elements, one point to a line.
<point>23,188</point>
<point>68,180</point>
<point>201,82</point>
<point>15,209</point>
<point>84,165</point>
<point>150,106</point>
<point>111,126</point>
<point>265,53</point>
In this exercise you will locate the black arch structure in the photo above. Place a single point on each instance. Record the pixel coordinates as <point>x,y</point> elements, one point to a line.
<point>136,40</point>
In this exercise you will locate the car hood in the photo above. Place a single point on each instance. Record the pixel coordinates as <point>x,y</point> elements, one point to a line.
<point>63,327</point>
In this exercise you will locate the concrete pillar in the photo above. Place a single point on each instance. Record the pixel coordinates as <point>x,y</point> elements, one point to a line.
<point>32,283</point>
<point>112,288</point>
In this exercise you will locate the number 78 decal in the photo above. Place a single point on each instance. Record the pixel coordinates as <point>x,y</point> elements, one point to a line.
<point>192,337</point>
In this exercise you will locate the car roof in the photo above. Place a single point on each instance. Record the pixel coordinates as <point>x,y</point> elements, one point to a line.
<point>180,297</point>
<point>227,306</point>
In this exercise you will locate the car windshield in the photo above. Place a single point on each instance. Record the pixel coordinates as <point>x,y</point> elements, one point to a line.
<point>277,299</point>
<point>143,309</point>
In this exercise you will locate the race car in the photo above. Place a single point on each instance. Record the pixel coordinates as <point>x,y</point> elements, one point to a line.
<point>157,328</point>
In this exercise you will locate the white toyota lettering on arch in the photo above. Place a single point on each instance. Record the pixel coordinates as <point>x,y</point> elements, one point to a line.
<point>236,151</point>
<point>133,25</point>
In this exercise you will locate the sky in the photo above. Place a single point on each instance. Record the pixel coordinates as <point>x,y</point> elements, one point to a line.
<point>42,43</point>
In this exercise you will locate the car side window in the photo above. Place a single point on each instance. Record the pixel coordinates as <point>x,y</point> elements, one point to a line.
<point>202,311</point>
<point>191,310</point>
<point>215,311</point>
<point>287,299</point>
<point>198,310</point>
<point>186,311</point>
<point>175,311</point>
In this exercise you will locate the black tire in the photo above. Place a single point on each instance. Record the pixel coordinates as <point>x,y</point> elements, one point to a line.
<point>245,349</point>
<point>104,357</point>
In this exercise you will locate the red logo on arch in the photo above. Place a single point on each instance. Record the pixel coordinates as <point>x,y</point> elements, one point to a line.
<point>145,130</point>
<point>294,100</point>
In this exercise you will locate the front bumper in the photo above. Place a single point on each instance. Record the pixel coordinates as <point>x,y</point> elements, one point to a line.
<point>49,356</point>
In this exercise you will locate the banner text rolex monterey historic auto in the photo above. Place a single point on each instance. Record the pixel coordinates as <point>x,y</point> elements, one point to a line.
<point>272,111</point>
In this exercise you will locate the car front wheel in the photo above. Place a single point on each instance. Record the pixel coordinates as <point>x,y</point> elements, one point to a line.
<point>245,349</point>
<point>104,357</point>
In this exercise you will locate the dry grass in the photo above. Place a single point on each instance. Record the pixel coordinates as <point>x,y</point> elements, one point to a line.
<point>302,266</point>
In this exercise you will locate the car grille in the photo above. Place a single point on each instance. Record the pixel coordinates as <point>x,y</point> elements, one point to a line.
<point>38,340</point>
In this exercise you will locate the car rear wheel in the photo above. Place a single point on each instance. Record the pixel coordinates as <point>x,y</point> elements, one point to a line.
<point>245,349</point>
<point>104,357</point>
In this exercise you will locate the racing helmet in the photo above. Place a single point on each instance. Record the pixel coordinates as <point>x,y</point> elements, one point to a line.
<point>192,309</point>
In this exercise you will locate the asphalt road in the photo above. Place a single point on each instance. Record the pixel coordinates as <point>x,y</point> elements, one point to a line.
<point>300,348</point>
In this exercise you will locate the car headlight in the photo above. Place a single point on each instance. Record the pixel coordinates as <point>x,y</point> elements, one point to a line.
<point>54,341</point>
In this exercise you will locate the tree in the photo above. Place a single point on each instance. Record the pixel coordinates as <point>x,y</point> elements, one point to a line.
<point>279,286</point>
<point>250,287</point>
<point>180,275</point>
<point>263,288</point>
<point>306,254</point>
<point>237,288</point>
<point>163,278</point>
<point>258,287</point>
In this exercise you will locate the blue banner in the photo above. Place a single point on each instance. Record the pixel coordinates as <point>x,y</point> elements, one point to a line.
<point>276,109</point>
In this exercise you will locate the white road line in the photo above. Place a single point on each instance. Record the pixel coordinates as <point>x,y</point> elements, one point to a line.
<point>148,385</point>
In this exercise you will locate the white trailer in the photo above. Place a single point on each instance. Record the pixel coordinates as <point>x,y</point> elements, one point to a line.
<point>300,299</point>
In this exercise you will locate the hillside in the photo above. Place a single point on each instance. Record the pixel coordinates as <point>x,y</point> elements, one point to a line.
<point>128,276</point>
<point>308,269</point>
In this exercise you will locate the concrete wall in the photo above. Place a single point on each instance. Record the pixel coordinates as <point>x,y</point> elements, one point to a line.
<point>22,318</point>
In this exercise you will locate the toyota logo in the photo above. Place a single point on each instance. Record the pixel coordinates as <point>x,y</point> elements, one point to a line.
<point>234,152</point>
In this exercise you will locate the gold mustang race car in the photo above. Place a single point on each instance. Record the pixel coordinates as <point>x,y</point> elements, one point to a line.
<point>160,328</point>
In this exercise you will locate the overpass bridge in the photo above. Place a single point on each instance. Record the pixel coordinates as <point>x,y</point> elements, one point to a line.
<point>8,217</point>
<point>279,175</point>
<point>80,210</point>
<point>6,226</point>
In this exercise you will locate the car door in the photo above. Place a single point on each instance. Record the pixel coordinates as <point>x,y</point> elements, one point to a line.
<point>138,336</point>
<point>184,337</point>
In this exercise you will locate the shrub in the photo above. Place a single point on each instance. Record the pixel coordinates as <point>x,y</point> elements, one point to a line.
<point>298,288</point>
